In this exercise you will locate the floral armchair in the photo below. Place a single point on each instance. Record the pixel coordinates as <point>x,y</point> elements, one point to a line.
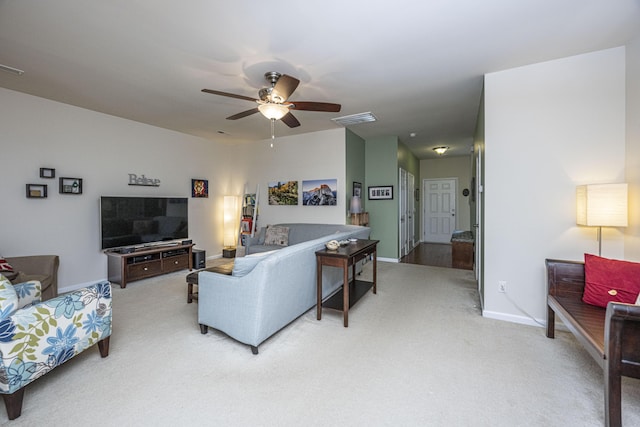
<point>35,336</point>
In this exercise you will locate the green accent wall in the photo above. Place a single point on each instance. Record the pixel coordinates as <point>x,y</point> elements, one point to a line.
<point>356,170</point>
<point>381,163</point>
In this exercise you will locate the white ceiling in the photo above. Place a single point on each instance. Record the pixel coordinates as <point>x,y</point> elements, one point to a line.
<point>416,65</point>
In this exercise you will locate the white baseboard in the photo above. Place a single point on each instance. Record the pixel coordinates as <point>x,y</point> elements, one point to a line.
<point>523,320</point>
<point>388,259</point>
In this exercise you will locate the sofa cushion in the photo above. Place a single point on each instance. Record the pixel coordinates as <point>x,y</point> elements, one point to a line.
<point>244,265</point>
<point>610,280</point>
<point>8,298</point>
<point>276,235</point>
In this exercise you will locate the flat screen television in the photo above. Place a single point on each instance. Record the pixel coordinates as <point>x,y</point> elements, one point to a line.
<point>140,221</point>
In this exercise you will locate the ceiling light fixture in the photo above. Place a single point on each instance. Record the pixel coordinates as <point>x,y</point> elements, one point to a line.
<point>273,111</point>
<point>11,70</point>
<point>441,150</point>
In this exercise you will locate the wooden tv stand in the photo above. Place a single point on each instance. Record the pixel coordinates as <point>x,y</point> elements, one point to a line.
<point>148,262</point>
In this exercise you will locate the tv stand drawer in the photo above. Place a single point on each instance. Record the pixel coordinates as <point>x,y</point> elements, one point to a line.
<point>175,263</point>
<point>143,269</point>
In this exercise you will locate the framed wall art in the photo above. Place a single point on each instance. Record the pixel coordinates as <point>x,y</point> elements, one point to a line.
<point>381,193</point>
<point>70,185</point>
<point>283,193</point>
<point>47,173</point>
<point>36,191</point>
<point>357,189</point>
<point>199,188</point>
<point>320,192</point>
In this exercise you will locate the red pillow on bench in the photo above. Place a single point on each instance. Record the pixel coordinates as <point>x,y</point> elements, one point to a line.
<point>610,280</point>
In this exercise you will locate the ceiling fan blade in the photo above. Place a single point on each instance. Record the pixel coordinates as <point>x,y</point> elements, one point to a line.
<point>230,95</point>
<point>315,106</point>
<point>284,87</point>
<point>290,120</point>
<point>243,114</point>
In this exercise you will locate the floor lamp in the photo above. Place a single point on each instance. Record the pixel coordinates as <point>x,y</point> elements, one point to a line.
<point>602,205</point>
<point>230,231</point>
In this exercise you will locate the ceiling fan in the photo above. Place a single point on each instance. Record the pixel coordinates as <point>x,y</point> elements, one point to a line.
<point>273,102</point>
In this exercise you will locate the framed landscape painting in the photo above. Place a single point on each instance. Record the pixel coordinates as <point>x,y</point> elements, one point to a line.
<point>320,192</point>
<point>283,193</point>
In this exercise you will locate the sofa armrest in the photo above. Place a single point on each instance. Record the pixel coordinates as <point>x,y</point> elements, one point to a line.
<point>39,265</point>
<point>36,339</point>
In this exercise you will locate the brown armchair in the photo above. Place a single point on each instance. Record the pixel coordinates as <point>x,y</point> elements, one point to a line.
<point>43,268</point>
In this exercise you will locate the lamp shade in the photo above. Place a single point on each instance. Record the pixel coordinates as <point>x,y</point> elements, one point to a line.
<point>602,205</point>
<point>273,111</point>
<point>356,205</point>
<point>229,231</point>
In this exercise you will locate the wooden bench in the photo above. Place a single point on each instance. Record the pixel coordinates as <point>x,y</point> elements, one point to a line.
<point>611,336</point>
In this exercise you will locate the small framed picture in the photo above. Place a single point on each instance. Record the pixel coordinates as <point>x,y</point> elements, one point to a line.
<point>381,193</point>
<point>36,191</point>
<point>47,173</point>
<point>70,185</point>
<point>357,189</point>
<point>199,188</point>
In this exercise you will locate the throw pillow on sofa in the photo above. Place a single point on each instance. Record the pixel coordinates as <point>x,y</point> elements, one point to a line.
<point>610,280</point>
<point>8,298</point>
<point>276,235</point>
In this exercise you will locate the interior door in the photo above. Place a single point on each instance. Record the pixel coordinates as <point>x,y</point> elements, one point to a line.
<point>479,231</point>
<point>402,214</point>
<point>411,211</point>
<point>439,216</point>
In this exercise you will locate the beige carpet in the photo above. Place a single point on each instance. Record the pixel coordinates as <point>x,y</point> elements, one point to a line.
<point>416,354</point>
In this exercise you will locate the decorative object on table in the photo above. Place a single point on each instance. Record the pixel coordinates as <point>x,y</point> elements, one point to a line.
<point>283,193</point>
<point>602,205</point>
<point>47,173</point>
<point>36,191</point>
<point>199,188</point>
<point>332,245</point>
<point>357,189</point>
<point>229,226</point>
<point>381,192</point>
<point>70,185</point>
<point>320,192</point>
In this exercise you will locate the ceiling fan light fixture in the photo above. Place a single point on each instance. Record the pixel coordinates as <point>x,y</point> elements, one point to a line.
<point>441,150</point>
<point>273,111</point>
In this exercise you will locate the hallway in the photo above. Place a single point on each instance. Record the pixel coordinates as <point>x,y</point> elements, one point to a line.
<point>433,254</point>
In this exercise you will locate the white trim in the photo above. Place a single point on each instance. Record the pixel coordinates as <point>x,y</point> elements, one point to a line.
<point>388,259</point>
<point>523,320</point>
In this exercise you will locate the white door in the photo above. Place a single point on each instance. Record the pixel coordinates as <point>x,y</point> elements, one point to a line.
<point>439,216</point>
<point>402,213</point>
<point>479,232</point>
<point>411,211</point>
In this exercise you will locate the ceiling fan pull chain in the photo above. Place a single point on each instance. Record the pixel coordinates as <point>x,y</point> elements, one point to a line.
<point>273,131</point>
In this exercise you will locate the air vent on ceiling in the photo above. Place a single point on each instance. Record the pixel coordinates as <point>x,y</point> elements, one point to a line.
<point>355,119</point>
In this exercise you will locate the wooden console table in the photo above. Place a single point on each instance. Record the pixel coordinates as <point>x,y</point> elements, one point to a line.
<point>345,257</point>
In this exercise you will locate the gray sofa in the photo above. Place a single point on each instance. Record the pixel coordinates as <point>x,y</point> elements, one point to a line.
<point>43,268</point>
<point>269,289</point>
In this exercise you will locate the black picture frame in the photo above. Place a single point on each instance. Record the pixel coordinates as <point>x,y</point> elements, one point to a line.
<point>36,191</point>
<point>47,173</point>
<point>69,185</point>
<point>357,189</point>
<point>383,192</point>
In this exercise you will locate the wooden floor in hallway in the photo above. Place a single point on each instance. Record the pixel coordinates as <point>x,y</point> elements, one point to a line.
<point>433,254</point>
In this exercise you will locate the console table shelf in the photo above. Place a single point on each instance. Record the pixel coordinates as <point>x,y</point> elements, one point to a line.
<point>148,262</point>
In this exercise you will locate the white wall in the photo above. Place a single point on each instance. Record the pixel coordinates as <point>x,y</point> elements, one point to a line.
<point>317,155</point>
<point>549,127</point>
<point>102,150</point>
<point>632,233</point>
